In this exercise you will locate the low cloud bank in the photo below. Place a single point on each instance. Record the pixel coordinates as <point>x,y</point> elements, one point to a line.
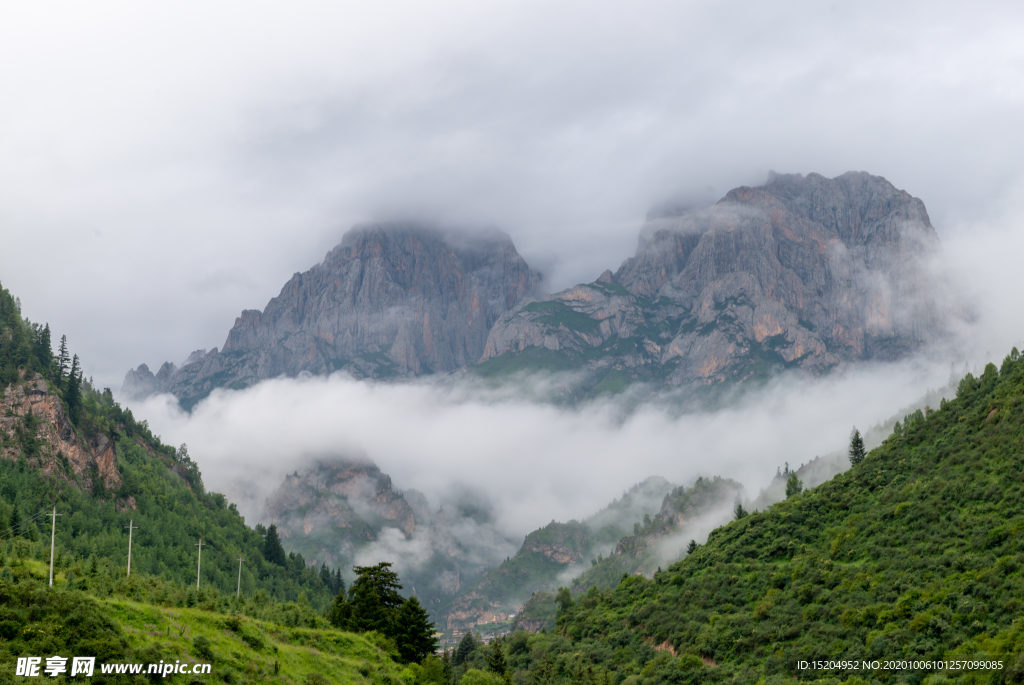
<point>532,462</point>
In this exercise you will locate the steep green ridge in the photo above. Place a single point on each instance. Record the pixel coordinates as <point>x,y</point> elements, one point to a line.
<point>160,490</point>
<point>916,553</point>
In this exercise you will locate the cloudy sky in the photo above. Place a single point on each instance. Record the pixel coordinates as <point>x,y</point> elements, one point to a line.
<point>163,167</point>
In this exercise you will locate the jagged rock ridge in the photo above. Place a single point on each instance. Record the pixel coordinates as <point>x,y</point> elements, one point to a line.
<point>803,272</point>
<point>390,300</point>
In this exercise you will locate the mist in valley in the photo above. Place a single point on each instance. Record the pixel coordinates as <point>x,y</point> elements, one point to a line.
<point>527,462</point>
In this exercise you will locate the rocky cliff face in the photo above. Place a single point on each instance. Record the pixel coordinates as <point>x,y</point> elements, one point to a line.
<point>390,300</point>
<point>34,427</point>
<point>333,507</point>
<point>343,512</point>
<point>802,272</point>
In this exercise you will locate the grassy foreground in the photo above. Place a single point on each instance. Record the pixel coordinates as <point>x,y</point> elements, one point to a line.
<point>36,620</point>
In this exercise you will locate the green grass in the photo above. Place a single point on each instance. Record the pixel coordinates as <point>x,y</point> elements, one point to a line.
<point>613,383</point>
<point>560,315</point>
<point>240,649</point>
<point>533,358</point>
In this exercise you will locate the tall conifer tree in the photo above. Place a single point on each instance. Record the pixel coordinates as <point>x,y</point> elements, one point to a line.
<point>496,660</point>
<point>466,647</point>
<point>414,632</point>
<point>857,453</point>
<point>62,361</point>
<point>73,391</point>
<point>273,551</point>
<point>374,598</point>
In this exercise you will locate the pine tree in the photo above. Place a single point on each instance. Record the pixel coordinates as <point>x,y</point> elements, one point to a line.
<point>794,486</point>
<point>496,660</point>
<point>338,584</point>
<point>14,521</point>
<point>738,511</point>
<point>563,598</point>
<point>273,551</point>
<point>41,346</point>
<point>857,453</point>
<point>325,575</point>
<point>73,391</point>
<point>466,647</point>
<point>62,361</point>
<point>414,632</point>
<point>692,547</point>
<point>446,667</point>
<point>340,613</point>
<point>374,598</point>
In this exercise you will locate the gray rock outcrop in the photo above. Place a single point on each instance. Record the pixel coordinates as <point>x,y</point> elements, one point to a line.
<point>802,272</point>
<point>390,300</point>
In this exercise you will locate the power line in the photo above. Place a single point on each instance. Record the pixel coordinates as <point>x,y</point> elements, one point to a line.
<point>22,527</point>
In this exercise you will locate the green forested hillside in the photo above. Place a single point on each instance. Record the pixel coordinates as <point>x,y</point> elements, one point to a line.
<point>915,553</point>
<point>160,490</point>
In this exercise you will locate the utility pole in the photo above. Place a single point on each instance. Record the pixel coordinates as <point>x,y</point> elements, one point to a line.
<point>130,528</point>
<point>53,532</point>
<point>239,593</point>
<point>199,562</point>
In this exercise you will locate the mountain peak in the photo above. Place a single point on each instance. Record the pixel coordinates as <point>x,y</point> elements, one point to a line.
<point>397,299</point>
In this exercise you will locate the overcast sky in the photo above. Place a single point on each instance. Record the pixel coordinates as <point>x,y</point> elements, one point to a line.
<point>163,167</point>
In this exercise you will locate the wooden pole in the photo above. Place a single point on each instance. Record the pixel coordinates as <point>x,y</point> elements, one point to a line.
<point>199,562</point>
<point>131,526</point>
<point>53,532</point>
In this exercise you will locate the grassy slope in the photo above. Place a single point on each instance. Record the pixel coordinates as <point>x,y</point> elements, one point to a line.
<point>118,629</point>
<point>916,553</point>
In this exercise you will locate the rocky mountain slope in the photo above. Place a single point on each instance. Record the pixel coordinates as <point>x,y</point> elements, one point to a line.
<point>317,510</point>
<point>390,300</point>
<point>550,556</point>
<point>343,511</point>
<point>35,428</point>
<point>802,272</point>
